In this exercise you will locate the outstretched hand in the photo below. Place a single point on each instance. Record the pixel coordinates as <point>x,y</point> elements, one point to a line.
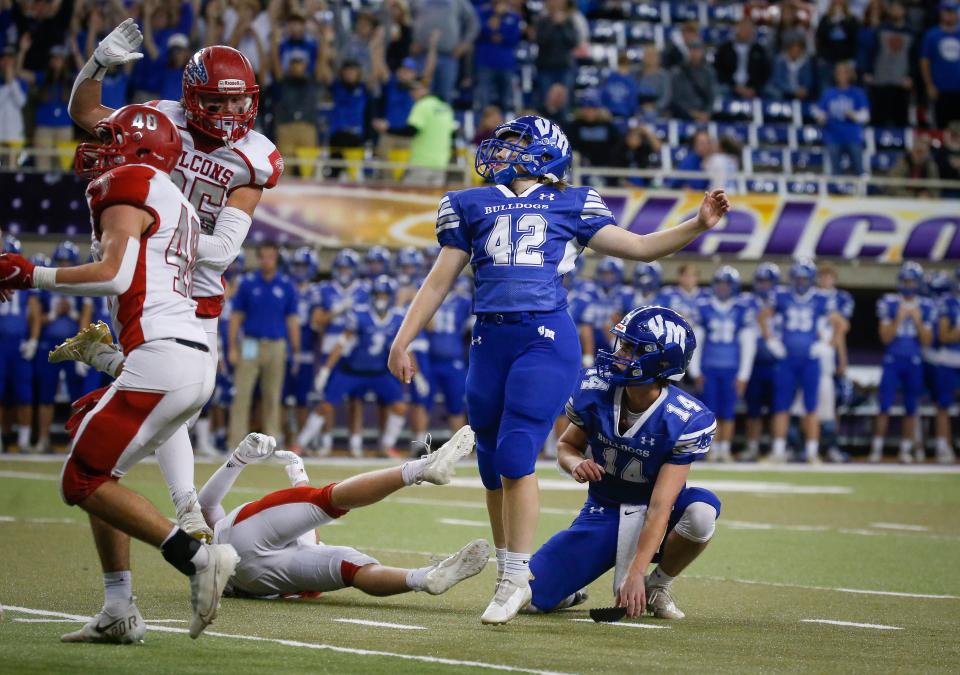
<point>714,206</point>
<point>120,46</point>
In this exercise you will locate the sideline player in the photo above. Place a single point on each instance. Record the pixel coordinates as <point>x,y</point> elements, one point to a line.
<point>276,537</point>
<point>632,437</point>
<point>949,373</point>
<point>223,168</point>
<point>145,244</point>
<point>834,359</point>
<point>522,235</point>
<point>760,388</point>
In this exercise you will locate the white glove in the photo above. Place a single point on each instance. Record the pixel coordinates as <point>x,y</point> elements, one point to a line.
<point>819,350</point>
<point>320,381</point>
<point>421,385</point>
<point>293,465</point>
<point>81,368</point>
<point>120,46</point>
<point>255,448</point>
<point>28,349</point>
<point>587,360</point>
<point>776,348</point>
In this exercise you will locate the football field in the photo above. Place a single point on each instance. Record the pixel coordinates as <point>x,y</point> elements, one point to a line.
<point>840,569</point>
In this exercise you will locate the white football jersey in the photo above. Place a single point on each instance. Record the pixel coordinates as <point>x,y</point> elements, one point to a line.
<point>207,173</point>
<point>158,304</point>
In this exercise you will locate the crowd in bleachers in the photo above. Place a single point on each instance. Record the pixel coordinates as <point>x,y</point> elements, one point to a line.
<point>831,86</point>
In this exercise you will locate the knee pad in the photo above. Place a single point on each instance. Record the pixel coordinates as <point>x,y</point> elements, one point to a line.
<point>697,523</point>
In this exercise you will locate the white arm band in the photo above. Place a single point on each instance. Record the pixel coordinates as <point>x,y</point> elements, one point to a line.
<point>92,70</point>
<point>748,350</point>
<point>46,277</point>
<point>218,250</point>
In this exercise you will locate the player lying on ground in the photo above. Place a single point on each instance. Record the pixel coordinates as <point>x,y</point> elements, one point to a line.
<point>276,538</point>
<point>632,437</point>
<point>145,243</point>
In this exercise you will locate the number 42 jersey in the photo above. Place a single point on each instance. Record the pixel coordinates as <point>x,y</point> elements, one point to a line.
<point>521,245</point>
<point>676,429</point>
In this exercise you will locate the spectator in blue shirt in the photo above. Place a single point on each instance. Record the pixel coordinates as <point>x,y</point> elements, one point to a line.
<point>620,92</point>
<point>351,110</point>
<point>700,148</point>
<point>294,44</point>
<point>160,21</point>
<point>794,74</point>
<point>265,311</point>
<point>178,54</point>
<point>940,65</point>
<point>50,93</point>
<point>495,56</point>
<point>843,111</point>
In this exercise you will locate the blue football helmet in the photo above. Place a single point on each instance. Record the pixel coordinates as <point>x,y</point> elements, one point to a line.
<point>937,284</point>
<point>802,275</point>
<point>526,146</point>
<point>11,244</point>
<point>376,261</point>
<point>304,264</point>
<point>345,266</point>
<point>648,277</point>
<point>383,285</point>
<point>40,260</point>
<point>66,253</point>
<point>609,273</point>
<point>411,258</point>
<point>910,278</point>
<point>652,344</point>
<point>767,271</point>
<point>726,282</point>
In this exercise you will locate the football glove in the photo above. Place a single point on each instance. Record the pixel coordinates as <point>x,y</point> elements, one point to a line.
<point>16,272</point>
<point>28,349</point>
<point>293,465</point>
<point>255,448</point>
<point>81,407</point>
<point>120,46</point>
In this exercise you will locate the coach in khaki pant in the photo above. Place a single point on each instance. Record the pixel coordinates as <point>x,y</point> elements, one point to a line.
<point>265,307</point>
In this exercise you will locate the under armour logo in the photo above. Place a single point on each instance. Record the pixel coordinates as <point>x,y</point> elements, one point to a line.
<point>647,440</point>
<point>477,340</point>
<point>547,333</point>
<point>596,509</point>
<point>547,195</point>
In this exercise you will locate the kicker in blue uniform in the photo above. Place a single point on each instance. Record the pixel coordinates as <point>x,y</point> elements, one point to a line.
<point>632,439</point>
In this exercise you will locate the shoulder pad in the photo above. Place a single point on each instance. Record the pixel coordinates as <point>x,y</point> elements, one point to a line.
<point>262,158</point>
<point>123,185</point>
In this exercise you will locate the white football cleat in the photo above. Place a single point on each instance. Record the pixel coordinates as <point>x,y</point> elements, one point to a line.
<point>905,457</point>
<point>206,586</point>
<point>946,455</point>
<point>513,594</point>
<point>444,460</point>
<point>660,603</point>
<point>191,521</point>
<point>875,456</point>
<point>777,457</point>
<point>465,563</point>
<point>125,629</point>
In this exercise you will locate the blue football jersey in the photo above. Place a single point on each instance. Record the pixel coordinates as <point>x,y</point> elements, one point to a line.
<point>676,429</point>
<point>950,310</point>
<point>338,300</point>
<point>758,302</point>
<point>840,301</point>
<point>906,343</point>
<point>521,245</point>
<point>681,301</point>
<point>801,318</point>
<point>601,310</point>
<point>631,298</point>
<point>449,324</point>
<point>13,317</point>
<point>722,322</point>
<point>373,335</point>
<point>62,315</point>
<point>579,300</point>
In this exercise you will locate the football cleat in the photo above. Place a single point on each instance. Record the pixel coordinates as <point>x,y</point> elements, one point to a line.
<point>905,457</point>
<point>777,458</point>
<point>444,460</point>
<point>126,629</point>
<point>946,455</point>
<point>513,594</point>
<point>876,455</point>
<point>83,345</point>
<point>465,563</point>
<point>660,603</point>
<point>206,586</point>
<point>191,521</point>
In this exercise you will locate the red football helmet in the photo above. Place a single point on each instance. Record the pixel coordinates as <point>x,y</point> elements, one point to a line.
<point>220,93</point>
<point>133,134</point>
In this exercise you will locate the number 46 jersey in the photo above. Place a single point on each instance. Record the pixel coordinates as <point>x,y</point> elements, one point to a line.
<point>521,245</point>
<point>207,172</point>
<point>676,429</point>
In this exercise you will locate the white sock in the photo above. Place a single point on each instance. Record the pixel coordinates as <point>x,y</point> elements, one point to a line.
<point>117,591</point>
<point>391,431</point>
<point>516,564</point>
<point>202,431</point>
<point>753,447</point>
<point>416,578</point>
<point>23,435</point>
<point>813,448</point>
<point>943,446</point>
<point>356,444</point>
<point>175,458</point>
<point>660,578</point>
<point>723,449</point>
<point>779,447</point>
<point>876,445</point>
<point>326,441</point>
<point>906,445</point>
<point>105,358</point>
<point>201,558</point>
<point>412,471</point>
<point>501,561</point>
<point>311,429</point>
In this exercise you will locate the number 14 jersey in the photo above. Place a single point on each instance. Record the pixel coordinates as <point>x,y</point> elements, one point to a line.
<point>676,429</point>
<point>521,245</point>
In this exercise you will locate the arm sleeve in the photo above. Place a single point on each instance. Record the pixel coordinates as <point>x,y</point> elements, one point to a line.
<point>594,216</point>
<point>695,438</point>
<point>417,117</point>
<point>450,228</point>
<point>697,358</point>
<point>218,250</point>
<point>216,488</point>
<point>748,351</point>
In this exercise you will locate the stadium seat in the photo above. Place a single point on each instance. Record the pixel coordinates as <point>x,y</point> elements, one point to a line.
<point>803,187</point>
<point>739,131</point>
<point>677,154</point>
<point>588,76</point>
<point>734,109</point>
<point>65,152</point>
<point>729,13</point>
<point>776,135</point>
<point>888,138</point>
<point>717,35</point>
<point>683,130</point>
<point>845,188</point>
<point>775,111</point>
<point>308,155</point>
<point>640,33</point>
<point>769,160</point>
<point>685,11</point>
<point>400,156</point>
<point>807,137</point>
<point>606,32</point>
<point>662,131</point>
<point>646,11</point>
<point>762,186</point>
<point>881,162</point>
<point>806,113</point>
<point>807,161</point>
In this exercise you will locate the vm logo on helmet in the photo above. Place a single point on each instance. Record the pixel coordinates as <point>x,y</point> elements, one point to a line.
<point>196,72</point>
<point>674,333</point>
<point>552,131</point>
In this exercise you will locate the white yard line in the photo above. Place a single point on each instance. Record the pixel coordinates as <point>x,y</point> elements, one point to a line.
<point>382,624</point>
<point>623,625</point>
<point>44,620</point>
<point>462,522</point>
<point>852,624</point>
<point>900,526</point>
<point>28,475</point>
<point>462,503</point>
<point>305,645</point>
<point>861,591</point>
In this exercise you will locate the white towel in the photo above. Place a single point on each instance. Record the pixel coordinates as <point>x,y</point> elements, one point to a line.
<point>632,517</point>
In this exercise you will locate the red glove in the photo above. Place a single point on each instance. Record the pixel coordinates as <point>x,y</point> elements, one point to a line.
<point>81,407</point>
<point>15,272</point>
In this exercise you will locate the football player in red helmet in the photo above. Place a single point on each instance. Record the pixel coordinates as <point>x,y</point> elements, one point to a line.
<point>134,134</point>
<point>220,93</point>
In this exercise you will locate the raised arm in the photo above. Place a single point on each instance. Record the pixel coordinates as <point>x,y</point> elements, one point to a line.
<point>254,448</point>
<point>616,241</point>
